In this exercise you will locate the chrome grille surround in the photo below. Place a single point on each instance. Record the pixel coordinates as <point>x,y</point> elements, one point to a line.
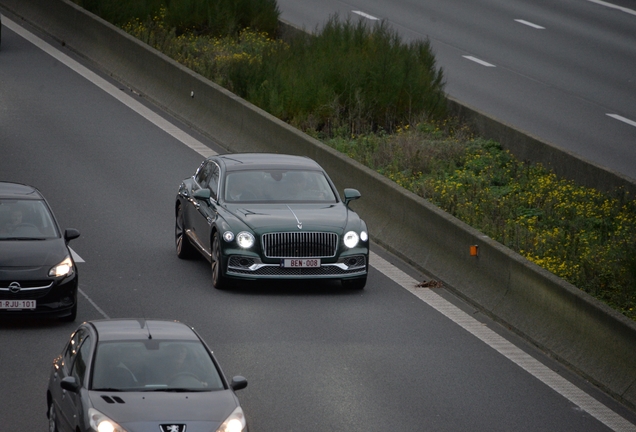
<point>28,290</point>
<point>299,244</point>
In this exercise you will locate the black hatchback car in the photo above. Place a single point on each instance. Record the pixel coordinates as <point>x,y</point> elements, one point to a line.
<point>37,273</point>
<point>138,375</point>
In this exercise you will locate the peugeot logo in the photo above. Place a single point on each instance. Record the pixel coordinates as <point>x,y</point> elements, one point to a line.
<point>172,427</point>
<point>15,287</point>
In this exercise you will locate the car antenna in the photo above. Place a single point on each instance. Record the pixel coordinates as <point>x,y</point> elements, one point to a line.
<point>143,323</point>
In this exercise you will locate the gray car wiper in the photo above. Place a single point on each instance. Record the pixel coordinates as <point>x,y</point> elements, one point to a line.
<point>23,238</point>
<point>108,389</point>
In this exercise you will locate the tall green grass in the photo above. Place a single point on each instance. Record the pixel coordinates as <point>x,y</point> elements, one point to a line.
<point>349,76</point>
<point>211,17</point>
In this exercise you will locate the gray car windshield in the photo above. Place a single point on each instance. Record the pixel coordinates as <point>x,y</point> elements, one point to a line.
<point>280,186</point>
<point>152,365</point>
<point>26,219</point>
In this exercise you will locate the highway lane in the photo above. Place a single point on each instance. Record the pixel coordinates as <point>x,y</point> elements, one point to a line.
<point>316,358</point>
<point>563,71</point>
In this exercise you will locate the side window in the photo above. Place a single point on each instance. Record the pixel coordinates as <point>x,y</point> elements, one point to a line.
<point>203,174</point>
<point>214,181</point>
<point>81,358</point>
<point>73,348</point>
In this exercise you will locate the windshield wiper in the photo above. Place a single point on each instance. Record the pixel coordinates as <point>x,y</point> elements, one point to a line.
<point>177,390</point>
<point>23,238</point>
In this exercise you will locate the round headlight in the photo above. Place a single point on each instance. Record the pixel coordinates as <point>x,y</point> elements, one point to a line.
<point>228,236</point>
<point>350,239</point>
<point>245,239</point>
<point>364,236</point>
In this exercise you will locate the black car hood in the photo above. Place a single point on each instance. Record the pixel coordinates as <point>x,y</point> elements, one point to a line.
<point>32,253</point>
<point>141,411</point>
<point>263,217</point>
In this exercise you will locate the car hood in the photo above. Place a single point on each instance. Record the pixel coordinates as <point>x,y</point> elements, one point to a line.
<point>264,217</point>
<point>32,253</point>
<point>145,411</point>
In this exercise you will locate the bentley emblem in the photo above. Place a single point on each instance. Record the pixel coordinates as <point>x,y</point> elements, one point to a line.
<point>172,427</point>
<point>15,287</point>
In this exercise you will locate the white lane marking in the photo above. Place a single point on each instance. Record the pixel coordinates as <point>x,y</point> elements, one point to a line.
<point>76,257</point>
<point>93,303</point>
<point>505,348</point>
<point>112,90</point>
<point>366,15</point>
<point>529,24</point>
<point>623,119</point>
<point>476,60</point>
<point>613,6</point>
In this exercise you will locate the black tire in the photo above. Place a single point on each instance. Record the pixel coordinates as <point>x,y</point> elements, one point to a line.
<point>355,284</point>
<point>218,280</point>
<point>185,250</point>
<point>52,418</point>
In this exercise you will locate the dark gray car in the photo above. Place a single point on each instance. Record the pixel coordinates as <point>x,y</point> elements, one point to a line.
<point>137,375</point>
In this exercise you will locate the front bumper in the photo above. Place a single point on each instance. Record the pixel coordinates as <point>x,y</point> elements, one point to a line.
<point>55,298</point>
<point>254,268</point>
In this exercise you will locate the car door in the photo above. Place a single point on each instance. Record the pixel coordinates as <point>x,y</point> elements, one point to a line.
<point>67,402</point>
<point>204,211</point>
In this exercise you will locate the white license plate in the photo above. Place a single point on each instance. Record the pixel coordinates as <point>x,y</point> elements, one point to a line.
<point>18,304</point>
<point>300,263</point>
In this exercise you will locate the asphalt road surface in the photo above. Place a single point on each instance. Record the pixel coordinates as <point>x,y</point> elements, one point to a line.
<point>317,357</point>
<point>563,71</point>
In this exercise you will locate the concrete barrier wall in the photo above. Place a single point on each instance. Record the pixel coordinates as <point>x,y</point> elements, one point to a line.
<point>528,148</point>
<point>572,326</point>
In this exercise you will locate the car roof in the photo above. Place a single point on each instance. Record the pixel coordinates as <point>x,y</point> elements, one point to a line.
<point>19,190</point>
<point>134,329</point>
<point>240,161</point>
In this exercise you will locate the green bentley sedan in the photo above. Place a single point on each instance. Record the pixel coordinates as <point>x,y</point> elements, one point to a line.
<point>270,216</point>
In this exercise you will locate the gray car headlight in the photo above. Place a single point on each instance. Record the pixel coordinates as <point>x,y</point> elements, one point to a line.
<point>351,239</point>
<point>245,239</point>
<point>63,269</point>
<point>364,236</point>
<point>228,236</point>
<point>234,423</point>
<point>100,423</point>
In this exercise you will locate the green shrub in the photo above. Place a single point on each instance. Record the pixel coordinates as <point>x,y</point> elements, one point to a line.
<point>349,75</point>
<point>209,17</point>
<point>586,237</point>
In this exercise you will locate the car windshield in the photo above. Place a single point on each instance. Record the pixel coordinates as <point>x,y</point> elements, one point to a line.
<point>280,186</point>
<point>153,365</point>
<point>26,219</point>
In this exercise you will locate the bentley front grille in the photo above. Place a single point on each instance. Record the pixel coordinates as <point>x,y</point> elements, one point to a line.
<point>300,245</point>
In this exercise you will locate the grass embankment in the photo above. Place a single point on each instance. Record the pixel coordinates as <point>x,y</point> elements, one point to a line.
<point>366,93</point>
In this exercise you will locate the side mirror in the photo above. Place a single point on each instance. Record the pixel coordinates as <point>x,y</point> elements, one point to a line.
<point>69,383</point>
<point>70,234</point>
<point>238,383</point>
<point>202,194</point>
<point>350,195</point>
